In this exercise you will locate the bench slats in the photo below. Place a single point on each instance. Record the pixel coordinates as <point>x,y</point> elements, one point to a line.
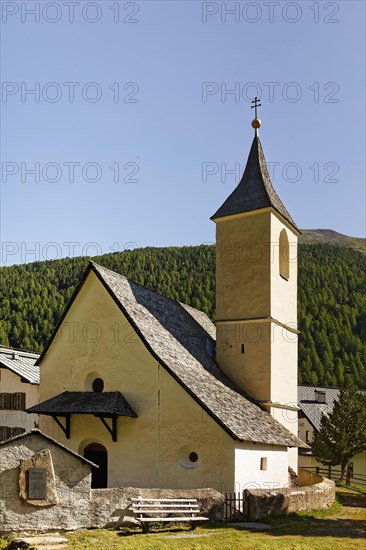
<point>175,519</point>
<point>162,512</point>
<point>170,509</point>
<point>154,510</point>
<point>194,500</point>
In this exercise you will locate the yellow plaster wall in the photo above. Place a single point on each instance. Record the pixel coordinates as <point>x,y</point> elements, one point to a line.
<point>149,448</point>
<point>251,370</point>
<point>243,266</point>
<point>250,289</point>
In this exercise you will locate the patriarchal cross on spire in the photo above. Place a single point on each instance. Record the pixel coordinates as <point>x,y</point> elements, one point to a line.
<point>256,123</point>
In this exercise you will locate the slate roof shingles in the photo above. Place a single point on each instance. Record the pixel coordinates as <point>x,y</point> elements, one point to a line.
<point>255,190</point>
<point>311,408</point>
<point>73,402</point>
<point>176,334</point>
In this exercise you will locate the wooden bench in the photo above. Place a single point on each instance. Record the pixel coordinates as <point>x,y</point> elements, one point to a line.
<point>151,510</point>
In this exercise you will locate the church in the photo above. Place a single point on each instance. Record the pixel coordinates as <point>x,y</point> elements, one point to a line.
<point>157,395</point>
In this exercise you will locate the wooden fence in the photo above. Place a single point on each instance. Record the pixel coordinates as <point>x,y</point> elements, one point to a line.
<point>331,472</point>
<point>234,507</point>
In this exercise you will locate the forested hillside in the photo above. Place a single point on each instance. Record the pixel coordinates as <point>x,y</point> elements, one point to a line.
<point>332,300</point>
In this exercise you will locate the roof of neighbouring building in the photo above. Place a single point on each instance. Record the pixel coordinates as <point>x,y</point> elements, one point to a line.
<point>21,363</point>
<point>73,402</point>
<point>36,432</point>
<point>177,336</point>
<point>306,396</point>
<point>255,190</point>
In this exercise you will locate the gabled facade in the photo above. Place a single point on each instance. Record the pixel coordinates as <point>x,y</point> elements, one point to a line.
<point>19,389</point>
<point>192,425</point>
<point>131,379</point>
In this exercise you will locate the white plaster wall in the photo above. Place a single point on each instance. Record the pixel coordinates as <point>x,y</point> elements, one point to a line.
<point>10,383</point>
<point>247,467</point>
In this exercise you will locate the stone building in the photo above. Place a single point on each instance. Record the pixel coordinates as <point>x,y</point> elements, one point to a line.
<point>43,485</point>
<point>19,389</point>
<point>156,394</point>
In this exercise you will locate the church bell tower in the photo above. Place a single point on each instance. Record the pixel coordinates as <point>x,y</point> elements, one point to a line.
<point>256,290</point>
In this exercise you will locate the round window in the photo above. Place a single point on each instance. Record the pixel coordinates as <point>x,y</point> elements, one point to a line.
<point>98,385</point>
<point>188,457</point>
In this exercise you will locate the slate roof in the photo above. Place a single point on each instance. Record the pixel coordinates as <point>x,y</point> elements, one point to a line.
<point>176,335</point>
<point>37,432</point>
<point>309,406</point>
<point>255,190</point>
<point>21,363</point>
<point>73,402</point>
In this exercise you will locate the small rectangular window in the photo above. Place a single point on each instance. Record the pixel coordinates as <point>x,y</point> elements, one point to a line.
<point>264,463</point>
<point>307,436</point>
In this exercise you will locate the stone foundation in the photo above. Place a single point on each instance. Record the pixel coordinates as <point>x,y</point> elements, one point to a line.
<point>110,507</point>
<point>106,508</point>
<point>315,492</point>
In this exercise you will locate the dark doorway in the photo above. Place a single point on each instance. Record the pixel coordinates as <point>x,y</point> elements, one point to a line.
<point>98,454</point>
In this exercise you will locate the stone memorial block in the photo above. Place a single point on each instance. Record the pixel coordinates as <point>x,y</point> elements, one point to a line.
<point>37,484</point>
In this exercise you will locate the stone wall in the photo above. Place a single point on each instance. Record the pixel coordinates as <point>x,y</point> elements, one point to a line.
<point>72,479</point>
<point>70,503</point>
<point>110,507</point>
<point>260,503</point>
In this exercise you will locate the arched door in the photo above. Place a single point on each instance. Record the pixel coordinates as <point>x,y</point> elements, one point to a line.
<point>98,454</point>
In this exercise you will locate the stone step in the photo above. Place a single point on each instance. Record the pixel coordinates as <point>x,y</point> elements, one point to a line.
<point>42,542</point>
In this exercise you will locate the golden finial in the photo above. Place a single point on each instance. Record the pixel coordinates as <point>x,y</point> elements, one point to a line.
<point>256,123</point>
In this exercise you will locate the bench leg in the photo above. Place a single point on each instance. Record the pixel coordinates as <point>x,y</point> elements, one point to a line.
<point>193,526</point>
<point>145,527</point>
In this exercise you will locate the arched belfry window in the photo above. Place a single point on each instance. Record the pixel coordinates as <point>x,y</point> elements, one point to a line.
<point>284,251</point>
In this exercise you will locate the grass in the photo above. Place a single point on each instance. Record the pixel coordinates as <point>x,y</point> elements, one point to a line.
<point>336,528</point>
<point>352,486</point>
<point>211,538</point>
<point>305,516</point>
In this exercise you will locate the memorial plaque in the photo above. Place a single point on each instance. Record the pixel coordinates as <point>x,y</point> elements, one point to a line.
<point>37,483</point>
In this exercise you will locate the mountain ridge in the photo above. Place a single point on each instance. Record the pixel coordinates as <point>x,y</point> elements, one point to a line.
<point>329,236</point>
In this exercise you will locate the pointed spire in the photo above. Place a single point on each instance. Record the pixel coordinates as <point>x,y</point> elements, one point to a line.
<point>255,190</point>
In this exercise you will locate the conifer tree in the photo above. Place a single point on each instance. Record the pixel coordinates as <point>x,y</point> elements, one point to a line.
<point>342,433</point>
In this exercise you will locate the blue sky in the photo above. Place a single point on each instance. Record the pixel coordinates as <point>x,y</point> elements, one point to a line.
<point>139,125</point>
